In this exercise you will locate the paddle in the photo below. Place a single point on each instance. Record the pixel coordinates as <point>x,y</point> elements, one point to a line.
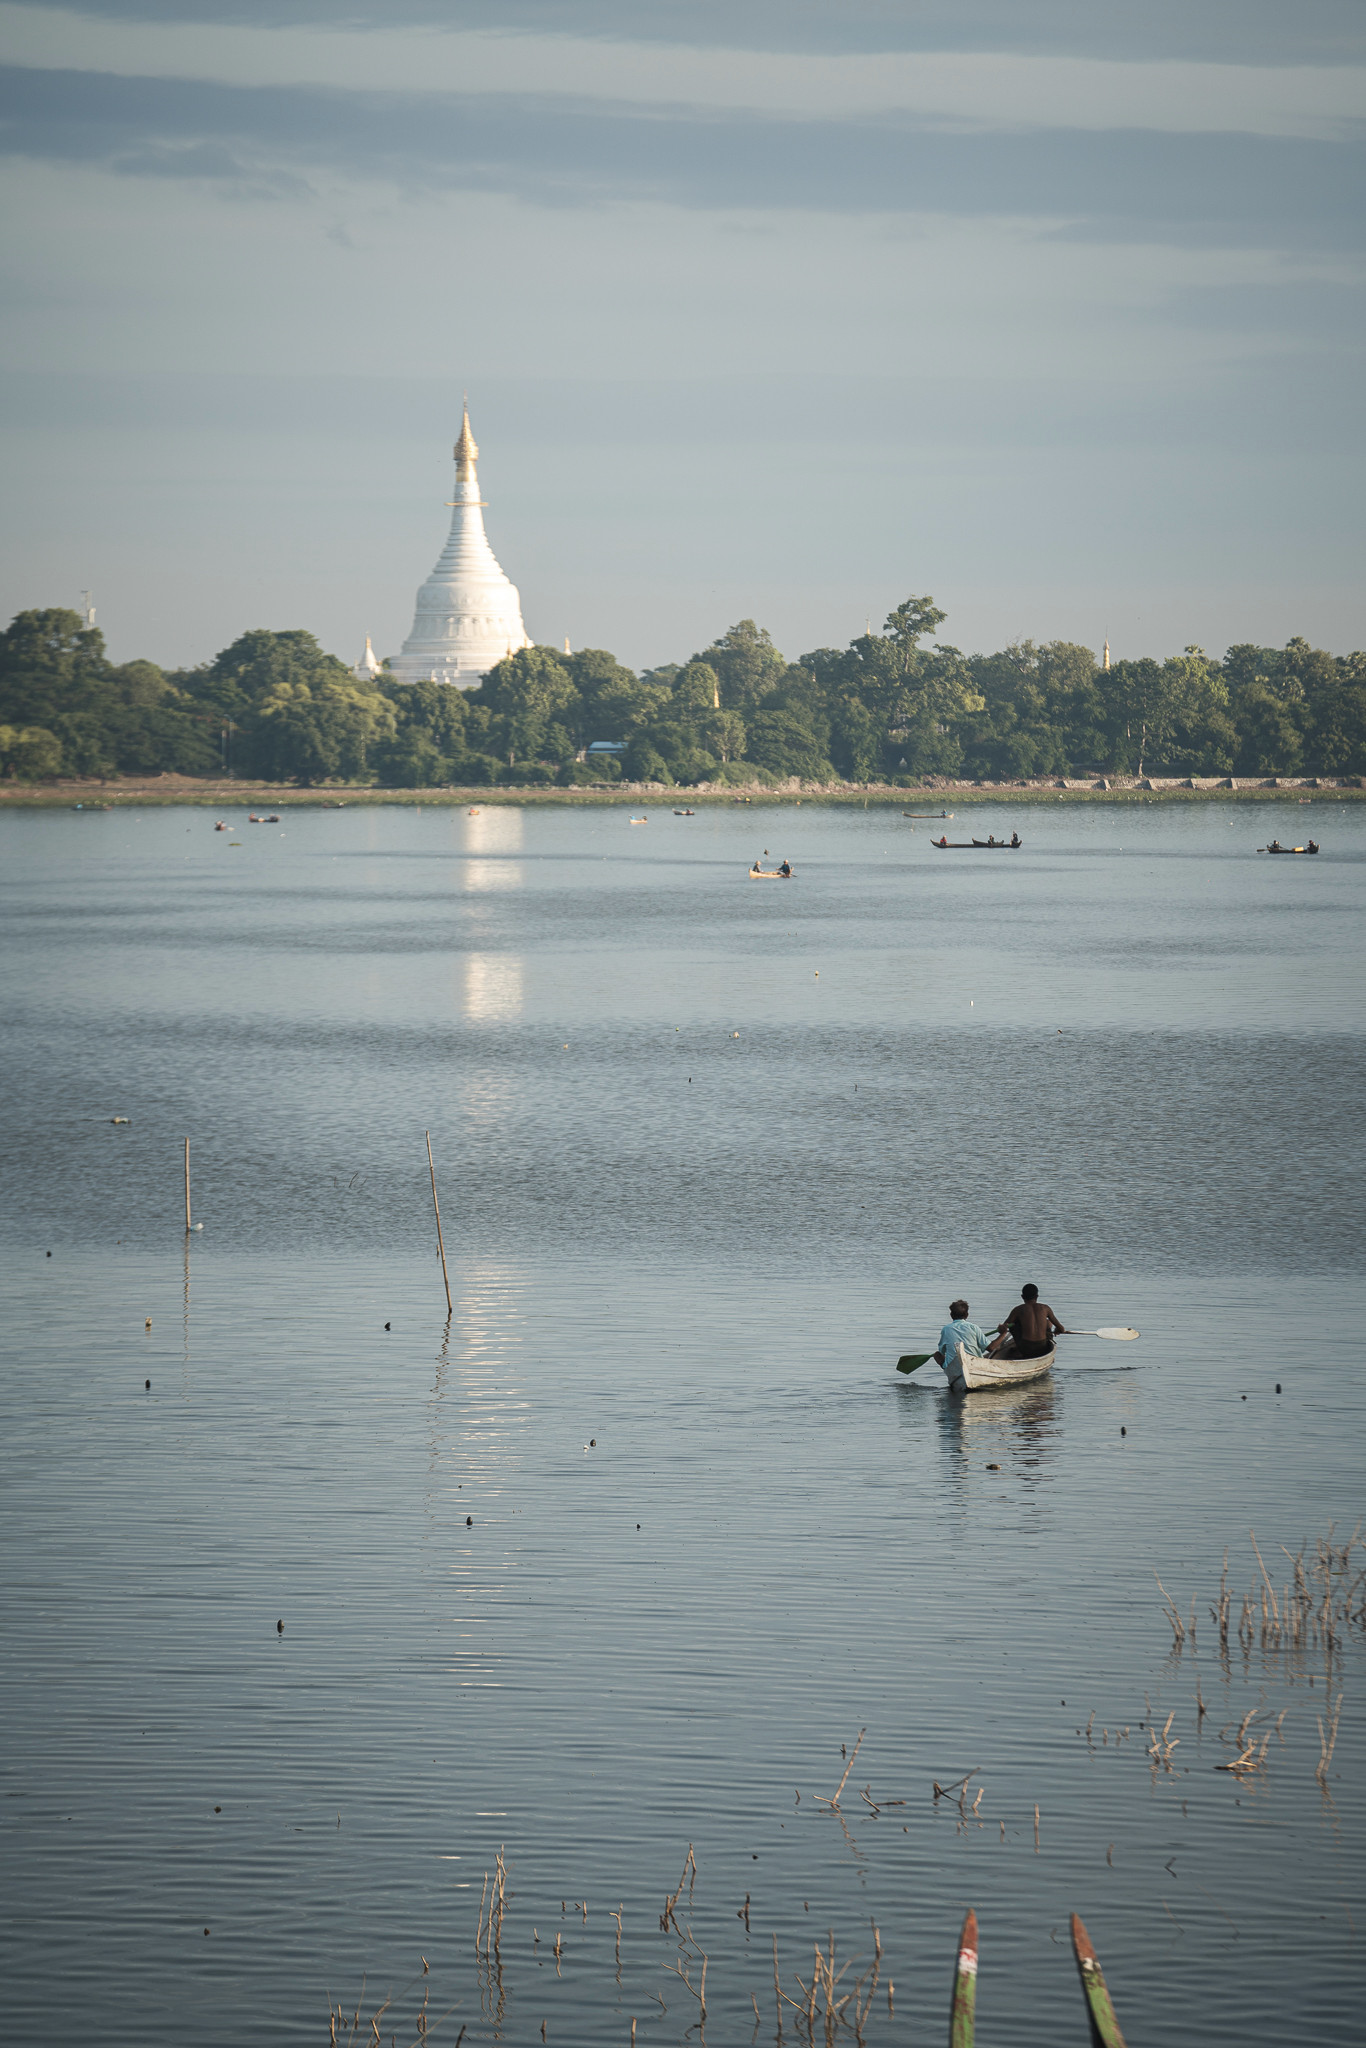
<point>1118,1335</point>
<point>913,1359</point>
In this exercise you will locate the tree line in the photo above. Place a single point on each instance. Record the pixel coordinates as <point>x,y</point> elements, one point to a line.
<point>894,706</point>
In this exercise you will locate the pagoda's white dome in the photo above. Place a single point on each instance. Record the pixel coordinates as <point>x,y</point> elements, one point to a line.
<point>469,614</point>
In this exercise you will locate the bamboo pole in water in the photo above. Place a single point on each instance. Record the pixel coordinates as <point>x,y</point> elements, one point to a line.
<point>441,1242</point>
<point>187,1184</point>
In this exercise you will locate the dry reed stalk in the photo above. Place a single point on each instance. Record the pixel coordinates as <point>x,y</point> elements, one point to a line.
<point>1161,1747</point>
<point>689,1862</point>
<point>1327,1740</point>
<point>1266,1576</point>
<point>698,1990</point>
<point>441,1242</point>
<point>845,1779</point>
<point>777,1989</point>
<point>958,1785</point>
<point>1173,1614</point>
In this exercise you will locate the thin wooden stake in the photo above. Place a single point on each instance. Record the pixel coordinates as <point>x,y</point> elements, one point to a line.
<point>441,1242</point>
<point>187,1184</point>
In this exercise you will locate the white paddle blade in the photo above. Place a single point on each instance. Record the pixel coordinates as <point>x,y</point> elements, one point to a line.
<point>1122,1336</point>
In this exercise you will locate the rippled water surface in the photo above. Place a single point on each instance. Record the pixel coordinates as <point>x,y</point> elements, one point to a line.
<point>625,1555</point>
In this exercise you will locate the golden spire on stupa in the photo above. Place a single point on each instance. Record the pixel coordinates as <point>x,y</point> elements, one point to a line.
<point>466,452</point>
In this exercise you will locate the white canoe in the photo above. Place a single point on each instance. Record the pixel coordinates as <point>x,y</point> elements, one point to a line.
<point>967,1372</point>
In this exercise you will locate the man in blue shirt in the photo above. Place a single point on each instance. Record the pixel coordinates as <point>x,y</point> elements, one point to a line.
<point>960,1331</point>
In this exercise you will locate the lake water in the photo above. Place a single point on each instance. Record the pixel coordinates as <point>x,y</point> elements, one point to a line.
<point>617,1559</point>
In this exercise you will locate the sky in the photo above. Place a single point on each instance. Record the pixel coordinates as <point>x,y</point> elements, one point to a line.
<point>780,309</point>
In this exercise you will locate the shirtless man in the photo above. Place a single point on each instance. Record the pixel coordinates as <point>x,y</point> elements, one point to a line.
<point>1029,1328</point>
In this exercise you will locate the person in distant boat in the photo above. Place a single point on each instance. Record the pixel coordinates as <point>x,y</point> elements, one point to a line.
<point>960,1331</point>
<point>1029,1328</point>
<point>756,869</point>
<point>1014,838</point>
<point>1312,847</point>
<point>785,867</point>
<point>944,840</point>
<point>1274,847</point>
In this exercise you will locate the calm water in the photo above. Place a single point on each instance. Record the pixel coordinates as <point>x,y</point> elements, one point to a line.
<point>710,1155</point>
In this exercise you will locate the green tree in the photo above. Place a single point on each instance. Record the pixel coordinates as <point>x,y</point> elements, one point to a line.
<point>30,753</point>
<point>914,620</point>
<point>723,734</point>
<point>1335,742</point>
<point>410,760</point>
<point>1269,740</point>
<point>52,664</point>
<point>747,664</point>
<point>527,692</point>
<point>696,690</point>
<point>857,741</point>
<point>643,762</point>
<point>615,701</point>
<point>258,665</point>
<point>784,743</point>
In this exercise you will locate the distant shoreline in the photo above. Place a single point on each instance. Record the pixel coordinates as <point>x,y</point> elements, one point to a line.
<point>929,798</point>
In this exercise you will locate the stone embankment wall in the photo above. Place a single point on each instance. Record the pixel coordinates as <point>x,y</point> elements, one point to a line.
<point>245,796</point>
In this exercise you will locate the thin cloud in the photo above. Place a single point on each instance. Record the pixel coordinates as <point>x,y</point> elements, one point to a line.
<point>1254,31</point>
<point>970,89</point>
<point>1210,189</point>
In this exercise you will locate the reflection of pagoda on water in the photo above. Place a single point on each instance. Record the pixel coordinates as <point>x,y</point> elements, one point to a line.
<point>468,613</point>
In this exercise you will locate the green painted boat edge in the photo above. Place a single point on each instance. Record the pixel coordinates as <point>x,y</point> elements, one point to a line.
<point>912,1359</point>
<point>1100,2012</point>
<point>963,2012</point>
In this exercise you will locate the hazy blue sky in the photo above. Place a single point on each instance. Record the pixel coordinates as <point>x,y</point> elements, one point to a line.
<point>781,308</point>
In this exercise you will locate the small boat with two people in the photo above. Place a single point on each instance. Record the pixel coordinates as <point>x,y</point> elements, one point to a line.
<point>1010,845</point>
<point>1023,1348</point>
<point>1276,847</point>
<point>782,873</point>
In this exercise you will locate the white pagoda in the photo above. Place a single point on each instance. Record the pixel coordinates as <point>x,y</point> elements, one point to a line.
<point>468,614</point>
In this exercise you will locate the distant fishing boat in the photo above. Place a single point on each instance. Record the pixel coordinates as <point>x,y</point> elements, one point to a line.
<point>1276,847</point>
<point>1011,845</point>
